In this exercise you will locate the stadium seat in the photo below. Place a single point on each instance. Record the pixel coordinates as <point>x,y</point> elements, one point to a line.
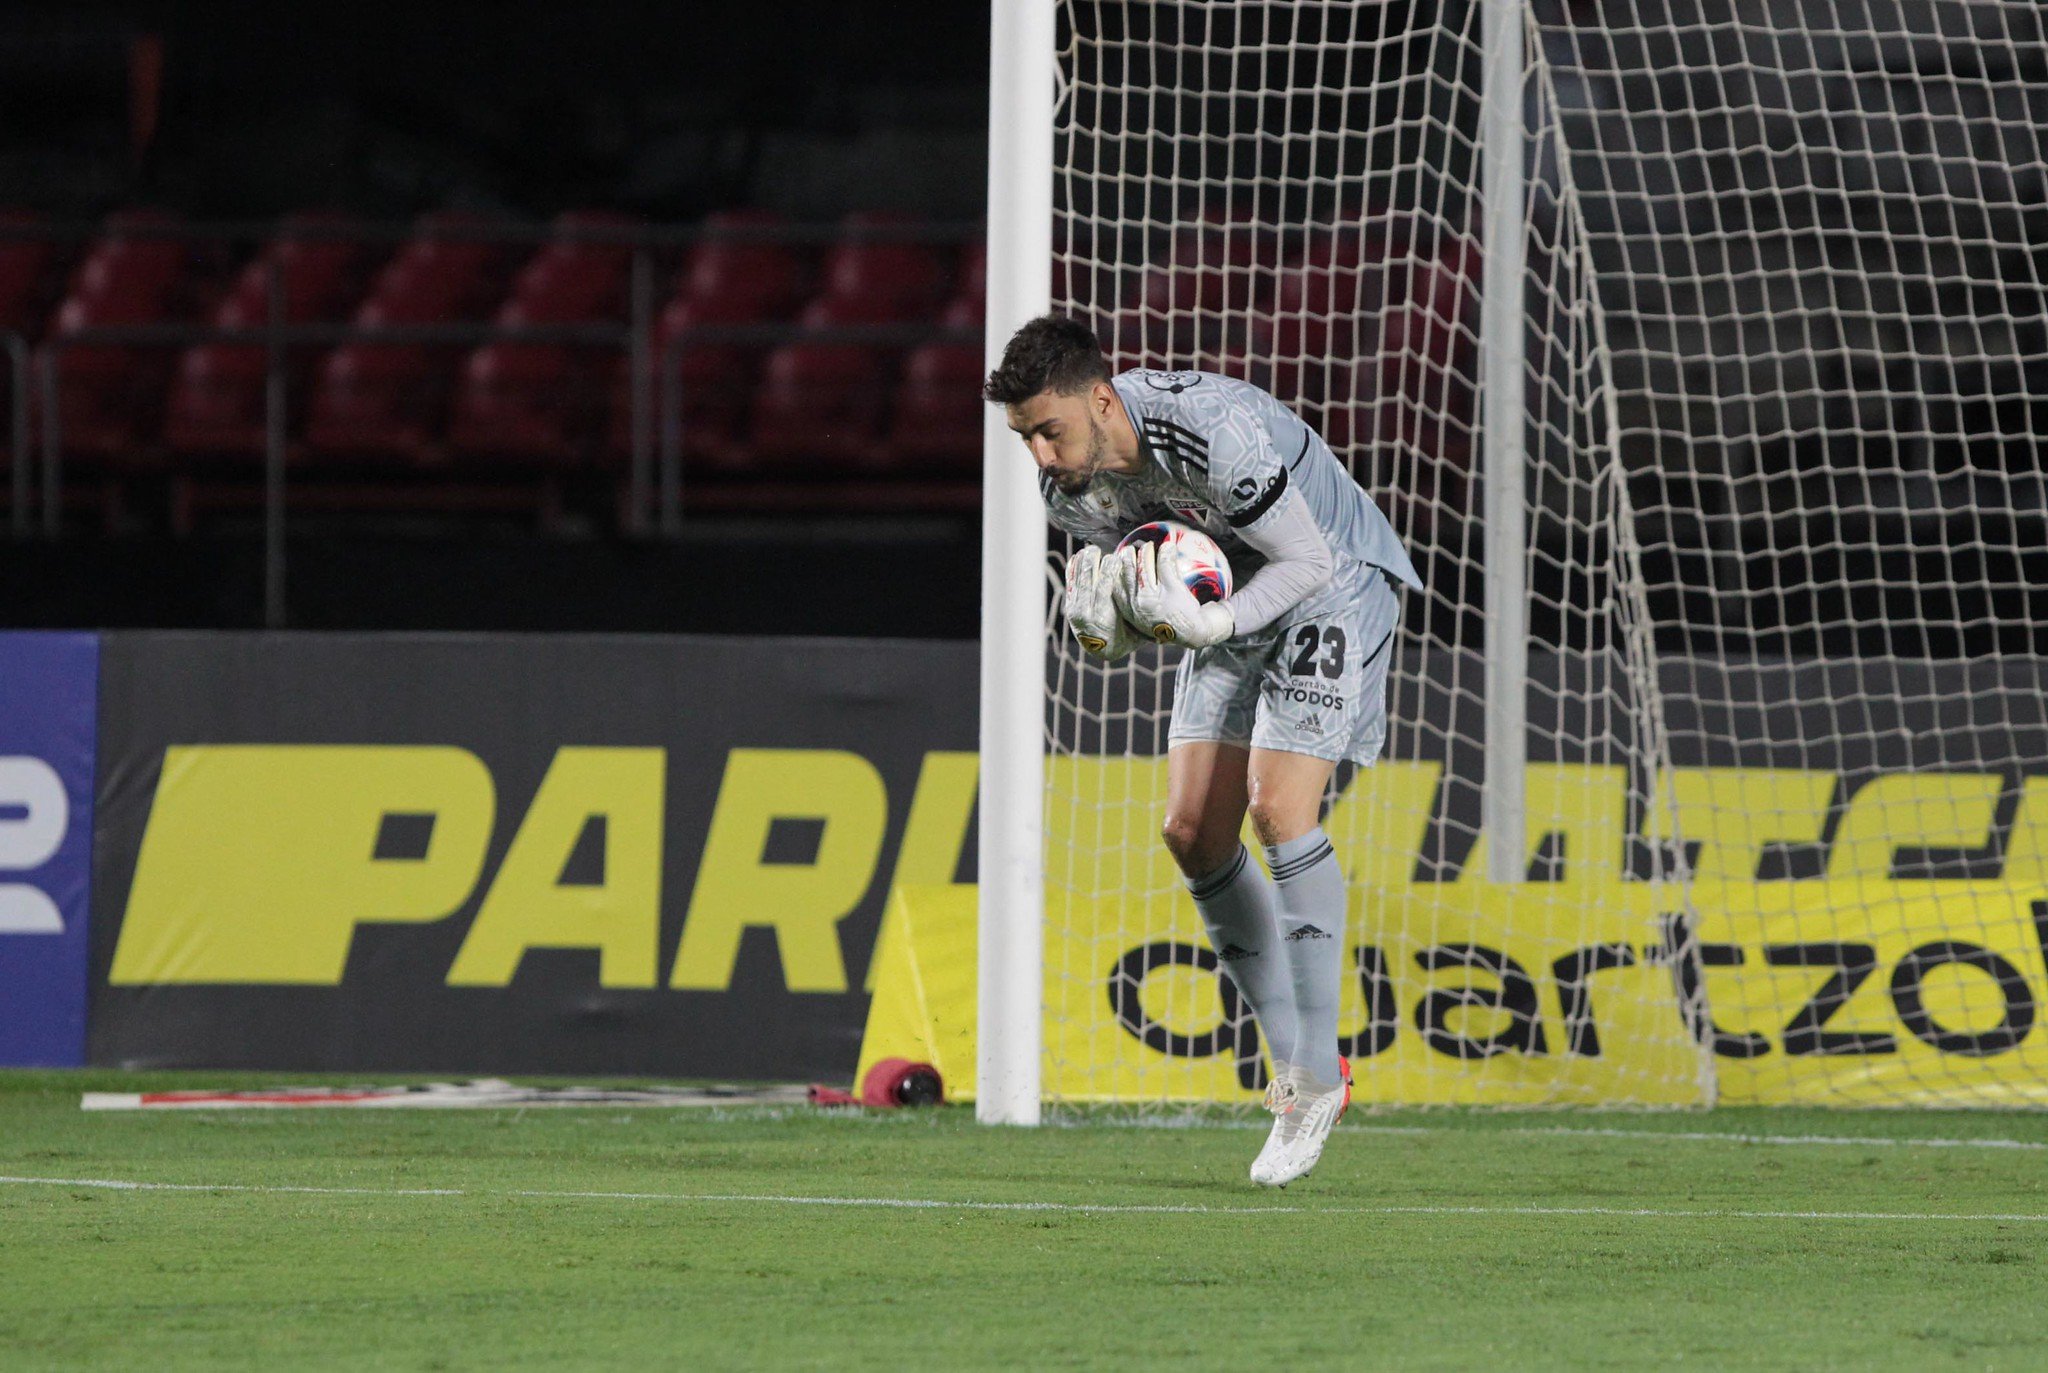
<point>26,267</point>
<point>971,281</point>
<point>575,279</point>
<point>217,401</point>
<point>1212,268</point>
<point>715,380</point>
<point>892,280</point>
<point>1338,249</point>
<point>377,401</point>
<point>534,403</point>
<point>1145,338</point>
<point>317,275</point>
<point>1321,314</point>
<point>218,390</point>
<point>750,279</point>
<point>935,423</point>
<point>108,396</point>
<point>817,410</point>
<point>521,403</point>
<point>131,262</point>
<point>382,403</point>
<point>439,275</point>
<point>964,311</point>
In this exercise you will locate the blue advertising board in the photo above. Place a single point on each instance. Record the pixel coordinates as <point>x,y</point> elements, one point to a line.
<point>49,703</point>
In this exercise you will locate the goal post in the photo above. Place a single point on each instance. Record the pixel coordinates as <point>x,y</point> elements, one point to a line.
<point>1698,357</point>
<point>1010,855</point>
<point>1502,368</point>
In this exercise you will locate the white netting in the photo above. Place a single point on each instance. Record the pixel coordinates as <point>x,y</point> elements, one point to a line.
<point>1785,309</point>
<point>1818,230</point>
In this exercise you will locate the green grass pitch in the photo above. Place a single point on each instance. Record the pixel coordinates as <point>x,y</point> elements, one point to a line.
<point>764,1239</point>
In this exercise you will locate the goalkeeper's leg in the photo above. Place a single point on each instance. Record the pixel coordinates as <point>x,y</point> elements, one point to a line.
<point>1286,800</point>
<point>1286,805</point>
<point>1206,794</point>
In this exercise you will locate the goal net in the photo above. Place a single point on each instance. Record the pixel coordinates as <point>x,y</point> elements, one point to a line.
<point>1783,348</point>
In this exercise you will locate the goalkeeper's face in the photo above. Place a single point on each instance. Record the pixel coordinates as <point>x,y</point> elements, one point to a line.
<point>1068,440</point>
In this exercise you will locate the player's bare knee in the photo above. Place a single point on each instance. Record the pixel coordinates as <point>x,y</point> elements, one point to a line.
<point>1192,849</point>
<point>1182,833</point>
<point>1275,820</point>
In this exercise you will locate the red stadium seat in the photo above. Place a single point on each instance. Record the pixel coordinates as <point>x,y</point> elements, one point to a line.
<point>217,401</point>
<point>218,391</point>
<point>573,279</point>
<point>382,402</point>
<point>532,403</point>
<point>1213,267</point>
<point>108,396</point>
<point>317,277</point>
<point>377,401</point>
<point>972,279</point>
<point>893,279</point>
<point>763,280</point>
<point>136,264</point>
<point>1143,338</point>
<point>439,275</point>
<point>963,312</point>
<point>936,422</point>
<point>818,409</point>
<point>1323,316</point>
<point>714,380</point>
<point>523,403</point>
<point>26,266</point>
<point>1410,391</point>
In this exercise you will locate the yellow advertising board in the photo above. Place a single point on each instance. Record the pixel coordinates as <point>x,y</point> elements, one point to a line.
<point>1588,987</point>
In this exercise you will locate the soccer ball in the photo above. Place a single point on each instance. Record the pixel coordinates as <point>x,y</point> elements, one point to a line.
<point>1204,568</point>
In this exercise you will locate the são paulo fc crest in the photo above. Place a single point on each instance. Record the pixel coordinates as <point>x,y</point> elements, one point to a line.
<point>1189,512</point>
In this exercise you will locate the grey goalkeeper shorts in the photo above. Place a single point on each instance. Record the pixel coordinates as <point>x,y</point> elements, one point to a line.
<point>1314,682</point>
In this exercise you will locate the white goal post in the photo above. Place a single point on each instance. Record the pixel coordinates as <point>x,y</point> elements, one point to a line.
<point>1010,856</point>
<point>1700,355</point>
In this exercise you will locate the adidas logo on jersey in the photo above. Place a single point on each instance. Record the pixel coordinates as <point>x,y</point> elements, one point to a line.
<point>1306,932</point>
<point>1233,953</point>
<point>1312,725</point>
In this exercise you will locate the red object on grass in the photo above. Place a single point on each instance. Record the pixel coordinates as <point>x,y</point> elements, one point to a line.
<point>899,1082</point>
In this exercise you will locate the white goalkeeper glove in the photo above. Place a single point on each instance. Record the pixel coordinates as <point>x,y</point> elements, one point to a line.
<point>1096,589</point>
<point>1160,601</point>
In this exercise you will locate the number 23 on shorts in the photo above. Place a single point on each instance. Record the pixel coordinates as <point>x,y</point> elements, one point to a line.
<point>1318,649</point>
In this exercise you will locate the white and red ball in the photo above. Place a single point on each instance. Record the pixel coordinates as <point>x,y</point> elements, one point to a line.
<point>1202,564</point>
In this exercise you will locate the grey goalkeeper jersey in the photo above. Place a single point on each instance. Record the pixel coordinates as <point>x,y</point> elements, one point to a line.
<point>1220,454</point>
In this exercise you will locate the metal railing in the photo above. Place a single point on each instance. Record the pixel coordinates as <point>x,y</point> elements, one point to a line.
<point>654,495</point>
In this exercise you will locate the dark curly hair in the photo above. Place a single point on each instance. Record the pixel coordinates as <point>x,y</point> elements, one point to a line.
<point>1051,353</point>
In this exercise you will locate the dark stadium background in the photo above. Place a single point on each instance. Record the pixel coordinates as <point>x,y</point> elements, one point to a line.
<point>231,121</point>
<point>157,160</point>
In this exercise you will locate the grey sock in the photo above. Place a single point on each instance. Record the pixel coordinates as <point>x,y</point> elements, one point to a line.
<point>1236,902</point>
<point>1310,890</point>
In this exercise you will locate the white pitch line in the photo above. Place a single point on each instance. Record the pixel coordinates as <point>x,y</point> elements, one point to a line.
<point>1724,1137</point>
<point>121,1185</point>
<point>1083,1208</point>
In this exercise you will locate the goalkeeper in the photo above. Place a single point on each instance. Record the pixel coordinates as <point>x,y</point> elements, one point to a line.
<point>1283,679</point>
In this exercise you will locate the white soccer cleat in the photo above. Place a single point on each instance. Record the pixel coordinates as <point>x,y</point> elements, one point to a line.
<point>1280,1098</point>
<point>1307,1113</point>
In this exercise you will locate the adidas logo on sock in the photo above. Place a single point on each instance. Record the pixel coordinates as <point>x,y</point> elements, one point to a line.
<point>1232,953</point>
<point>1306,932</point>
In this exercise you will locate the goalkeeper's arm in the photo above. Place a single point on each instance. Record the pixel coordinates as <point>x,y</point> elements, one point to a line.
<point>1299,563</point>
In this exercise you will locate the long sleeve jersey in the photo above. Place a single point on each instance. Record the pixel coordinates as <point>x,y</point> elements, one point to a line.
<point>1226,457</point>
